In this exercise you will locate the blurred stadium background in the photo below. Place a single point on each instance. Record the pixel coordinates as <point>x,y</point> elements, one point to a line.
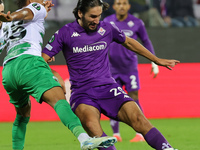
<point>174,94</point>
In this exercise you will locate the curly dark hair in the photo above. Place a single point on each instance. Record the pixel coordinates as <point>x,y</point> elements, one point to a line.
<point>21,3</point>
<point>84,5</point>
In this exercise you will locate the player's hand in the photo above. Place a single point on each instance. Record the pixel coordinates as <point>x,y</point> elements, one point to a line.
<point>48,5</point>
<point>154,69</point>
<point>51,59</point>
<point>6,17</point>
<point>168,63</point>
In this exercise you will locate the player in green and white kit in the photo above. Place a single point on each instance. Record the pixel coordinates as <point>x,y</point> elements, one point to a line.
<point>26,73</point>
<point>1,26</point>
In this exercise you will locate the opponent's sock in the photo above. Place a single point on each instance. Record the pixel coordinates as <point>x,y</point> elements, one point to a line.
<point>138,103</point>
<point>83,136</point>
<point>68,118</point>
<point>19,131</point>
<point>115,126</point>
<point>109,148</point>
<point>156,140</point>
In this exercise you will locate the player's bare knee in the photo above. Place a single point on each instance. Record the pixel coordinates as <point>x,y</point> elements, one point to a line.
<point>137,120</point>
<point>23,114</point>
<point>88,124</point>
<point>24,111</point>
<point>142,125</point>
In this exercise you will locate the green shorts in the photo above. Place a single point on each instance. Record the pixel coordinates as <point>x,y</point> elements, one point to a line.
<point>27,75</point>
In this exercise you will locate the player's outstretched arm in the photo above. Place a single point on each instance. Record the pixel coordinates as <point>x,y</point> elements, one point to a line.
<point>135,46</point>
<point>24,14</point>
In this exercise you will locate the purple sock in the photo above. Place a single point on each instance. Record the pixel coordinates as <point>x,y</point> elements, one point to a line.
<point>109,148</point>
<point>115,126</point>
<point>137,101</point>
<point>156,140</point>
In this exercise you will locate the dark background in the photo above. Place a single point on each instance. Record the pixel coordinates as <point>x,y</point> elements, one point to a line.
<point>173,43</point>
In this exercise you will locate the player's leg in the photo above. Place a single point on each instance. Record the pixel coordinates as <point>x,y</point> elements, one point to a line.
<point>38,80</point>
<point>115,127</point>
<point>90,119</point>
<point>134,95</point>
<point>19,126</point>
<point>56,99</point>
<point>133,116</point>
<point>43,87</point>
<point>23,107</point>
<point>132,86</point>
<point>21,102</point>
<point>113,123</point>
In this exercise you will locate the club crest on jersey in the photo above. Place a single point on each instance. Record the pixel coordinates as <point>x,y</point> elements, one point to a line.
<point>36,6</point>
<point>101,31</point>
<point>130,23</point>
<point>75,34</point>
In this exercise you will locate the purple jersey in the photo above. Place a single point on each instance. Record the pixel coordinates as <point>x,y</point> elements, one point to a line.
<point>86,53</point>
<point>123,60</point>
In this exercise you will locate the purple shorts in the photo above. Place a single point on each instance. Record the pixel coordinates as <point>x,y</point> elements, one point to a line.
<point>108,99</point>
<point>129,80</point>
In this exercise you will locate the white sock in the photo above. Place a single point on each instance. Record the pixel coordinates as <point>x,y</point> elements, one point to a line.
<point>83,137</point>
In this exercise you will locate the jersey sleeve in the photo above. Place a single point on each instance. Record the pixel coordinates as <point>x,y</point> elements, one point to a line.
<point>117,35</point>
<point>143,35</point>
<point>56,43</point>
<point>38,10</point>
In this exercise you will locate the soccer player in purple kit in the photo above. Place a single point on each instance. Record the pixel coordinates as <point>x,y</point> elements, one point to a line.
<point>123,62</point>
<point>85,44</point>
<point>26,73</point>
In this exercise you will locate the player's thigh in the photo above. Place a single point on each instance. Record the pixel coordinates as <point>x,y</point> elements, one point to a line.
<point>90,119</point>
<point>129,112</point>
<point>38,79</point>
<point>53,95</point>
<point>18,97</point>
<point>133,116</point>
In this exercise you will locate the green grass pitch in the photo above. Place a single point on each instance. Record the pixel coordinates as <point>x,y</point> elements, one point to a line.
<point>181,133</point>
